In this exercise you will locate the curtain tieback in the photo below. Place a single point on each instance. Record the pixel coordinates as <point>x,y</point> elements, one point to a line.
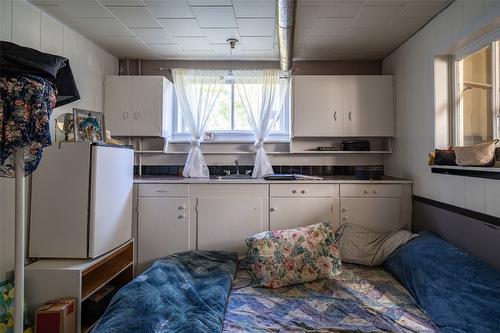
<point>259,143</point>
<point>196,142</point>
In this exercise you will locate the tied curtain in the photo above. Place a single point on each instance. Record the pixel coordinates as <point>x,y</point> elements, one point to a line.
<point>197,91</point>
<point>262,94</point>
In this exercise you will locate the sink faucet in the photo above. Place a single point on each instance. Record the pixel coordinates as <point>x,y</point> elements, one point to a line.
<point>237,165</point>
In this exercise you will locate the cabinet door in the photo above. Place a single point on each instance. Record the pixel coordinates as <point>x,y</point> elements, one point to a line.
<point>117,105</point>
<point>287,213</point>
<point>147,110</point>
<point>228,214</point>
<point>318,106</point>
<point>368,106</point>
<point>379,214</point>
<point>162,228</point>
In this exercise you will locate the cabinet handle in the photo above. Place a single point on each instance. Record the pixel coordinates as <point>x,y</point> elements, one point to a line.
<point>350,118</point>
<point>294,191</point>
<point>365,191</point>
<point>136,115</point>
<point>344,209</point>
<point>303,191</point>
<point>182,207</point>
<point>335,115</point>
<point>163,191</point>
<point>344,218</point>
<point>125,115</point>
<point>273,209</point>
<point>374,191</point>
<point>181,216</point>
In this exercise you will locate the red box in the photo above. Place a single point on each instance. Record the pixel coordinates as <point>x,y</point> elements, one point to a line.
<point>57,316</point>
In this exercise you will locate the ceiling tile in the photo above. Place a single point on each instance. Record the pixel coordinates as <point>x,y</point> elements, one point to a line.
<point>331,25</point>
<point>377,16</point>
<point>193,43</point>
<point>257,43</point>
<point>107,27</point>
<point>210,2</point>
<point>221,35</point>
<point>165,50</point>
<point>215,17</point>
<point>85,9</point>
<point>61,15</point>
<point>131,47</point>
<point>256,8</point>
<point>153,35</point>
<point>340,8</point>
<point>256,26</point>
<point>182,27</point>
<point>170,8</point>
<point>423,8</point>
<point>135,17</point>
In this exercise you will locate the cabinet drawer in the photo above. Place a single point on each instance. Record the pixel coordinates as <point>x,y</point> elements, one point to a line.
<point>163,190</point>
<point>370,190</point>
<point>301,190</point>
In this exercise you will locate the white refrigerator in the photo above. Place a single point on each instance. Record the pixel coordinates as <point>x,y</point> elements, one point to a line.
<point>81,200</point>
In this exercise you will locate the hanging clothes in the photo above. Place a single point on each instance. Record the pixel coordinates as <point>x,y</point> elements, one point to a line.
<point>26,103</point>
<point>18,60</point>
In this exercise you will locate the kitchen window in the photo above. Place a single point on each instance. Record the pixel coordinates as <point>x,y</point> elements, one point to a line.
<point>228,121</point>
<point>476,116</point>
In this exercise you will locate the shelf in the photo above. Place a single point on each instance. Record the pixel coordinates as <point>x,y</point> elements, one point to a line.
<point>476,172</point>
<point>96,276</point>
<point>341,152</point>
<point>479,85</point>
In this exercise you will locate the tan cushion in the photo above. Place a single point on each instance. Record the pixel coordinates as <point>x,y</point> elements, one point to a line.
<point>482,154</point>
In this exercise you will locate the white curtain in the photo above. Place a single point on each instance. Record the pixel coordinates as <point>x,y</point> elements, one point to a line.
<point>262,93</point>
<point>197,90</point>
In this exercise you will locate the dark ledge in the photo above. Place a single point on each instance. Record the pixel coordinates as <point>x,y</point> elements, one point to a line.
<point>476,172</point>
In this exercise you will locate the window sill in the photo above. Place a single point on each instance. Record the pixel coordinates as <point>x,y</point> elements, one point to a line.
<point>476,172</point>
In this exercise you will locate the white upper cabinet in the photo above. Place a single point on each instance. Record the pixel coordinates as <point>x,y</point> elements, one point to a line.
<point>343,106</point>
<point>318,106</point>
<point>138,105</point>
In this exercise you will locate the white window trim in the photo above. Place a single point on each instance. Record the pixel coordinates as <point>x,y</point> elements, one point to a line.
<point>457,86</point>
<point>225,136</point>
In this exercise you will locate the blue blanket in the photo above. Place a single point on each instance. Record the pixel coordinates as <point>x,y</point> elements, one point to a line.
<point>185,292</point>
<point>458,291</point>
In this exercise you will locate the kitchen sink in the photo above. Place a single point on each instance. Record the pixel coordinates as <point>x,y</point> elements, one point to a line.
<point>236,176</point>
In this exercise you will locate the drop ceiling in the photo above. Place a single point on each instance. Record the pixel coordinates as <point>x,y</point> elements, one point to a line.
<point>198,29</point>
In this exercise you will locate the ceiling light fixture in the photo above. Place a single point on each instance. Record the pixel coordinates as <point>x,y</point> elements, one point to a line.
<point>232,44</point>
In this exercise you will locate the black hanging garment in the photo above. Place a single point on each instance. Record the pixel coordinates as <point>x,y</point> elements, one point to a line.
<point>32,84</point>
<point>17,60</point>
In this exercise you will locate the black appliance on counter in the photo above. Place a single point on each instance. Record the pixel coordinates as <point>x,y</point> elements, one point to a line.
<point>356,145</point>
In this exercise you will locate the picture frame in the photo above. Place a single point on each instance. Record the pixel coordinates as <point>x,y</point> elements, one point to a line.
<point>89,125</point>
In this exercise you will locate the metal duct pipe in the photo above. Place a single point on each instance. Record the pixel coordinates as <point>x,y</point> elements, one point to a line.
<point>286,22</point>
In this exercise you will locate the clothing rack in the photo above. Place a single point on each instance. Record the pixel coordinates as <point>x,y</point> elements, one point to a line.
<point>20,220</point>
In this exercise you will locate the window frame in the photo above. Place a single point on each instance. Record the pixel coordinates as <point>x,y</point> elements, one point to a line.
<point>234,135</point>
<point>456,129</point>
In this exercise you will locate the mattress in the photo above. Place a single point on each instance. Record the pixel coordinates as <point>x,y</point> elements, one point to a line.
<point>361,299</point>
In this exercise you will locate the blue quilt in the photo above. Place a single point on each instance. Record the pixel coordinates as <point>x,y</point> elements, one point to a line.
<point>458,291</point>
<point>185,292</point>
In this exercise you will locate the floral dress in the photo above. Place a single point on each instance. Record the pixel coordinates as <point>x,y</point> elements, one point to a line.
<point>26,103</point>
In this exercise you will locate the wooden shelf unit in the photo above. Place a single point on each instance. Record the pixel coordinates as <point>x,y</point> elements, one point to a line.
<point>48,279</point>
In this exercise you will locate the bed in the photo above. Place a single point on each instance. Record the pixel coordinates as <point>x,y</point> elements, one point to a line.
<point>427,285</point>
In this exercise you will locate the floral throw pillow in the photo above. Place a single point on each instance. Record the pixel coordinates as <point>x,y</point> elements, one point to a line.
<point>281,258</point>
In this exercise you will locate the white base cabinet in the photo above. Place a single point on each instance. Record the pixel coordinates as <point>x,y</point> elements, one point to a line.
<point>228,214</point>
<point>163,223</point>
<point>293,206</point>
<point>178,217</point>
